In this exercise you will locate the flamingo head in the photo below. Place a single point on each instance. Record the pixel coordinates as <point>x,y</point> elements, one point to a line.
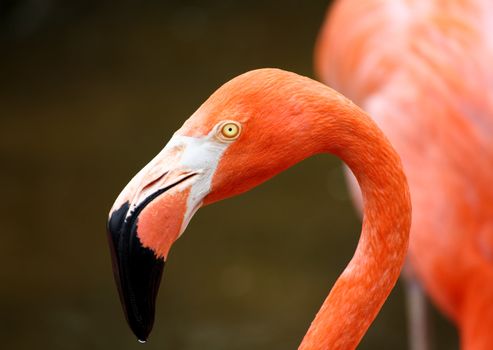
<point>242,135</point>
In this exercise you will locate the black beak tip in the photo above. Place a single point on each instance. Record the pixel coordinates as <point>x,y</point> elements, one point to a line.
<point>140,329</point>
<point>137,271</point>
<point>142,333</point>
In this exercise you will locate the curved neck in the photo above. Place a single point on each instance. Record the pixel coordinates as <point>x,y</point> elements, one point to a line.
<point>365,284</point>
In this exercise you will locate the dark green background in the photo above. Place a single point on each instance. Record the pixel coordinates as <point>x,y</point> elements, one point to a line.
<point>90,91</point>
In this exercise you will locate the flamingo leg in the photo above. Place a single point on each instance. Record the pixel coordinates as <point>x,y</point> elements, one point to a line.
<point>418,312</point>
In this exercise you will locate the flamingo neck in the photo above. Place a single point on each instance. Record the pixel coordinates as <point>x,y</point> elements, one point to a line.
<point>311,118</point>
<point>365,284</point>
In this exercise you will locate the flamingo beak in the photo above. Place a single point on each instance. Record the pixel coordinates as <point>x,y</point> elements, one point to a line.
<point>147,218</point>
<point>139,238</point>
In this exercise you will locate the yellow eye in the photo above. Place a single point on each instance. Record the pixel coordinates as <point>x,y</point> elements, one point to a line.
<point>230,130</point>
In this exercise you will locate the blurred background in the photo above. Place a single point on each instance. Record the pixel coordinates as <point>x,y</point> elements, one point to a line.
<point>90,91</point>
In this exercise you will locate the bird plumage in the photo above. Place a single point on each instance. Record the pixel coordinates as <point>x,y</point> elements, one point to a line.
<point>423,70</point>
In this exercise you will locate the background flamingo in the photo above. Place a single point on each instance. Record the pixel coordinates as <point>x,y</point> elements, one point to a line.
<point>423,71</point>
<point>252,128</point>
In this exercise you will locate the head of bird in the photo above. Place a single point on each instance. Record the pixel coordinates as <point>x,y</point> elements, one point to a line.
<point>246,132</point>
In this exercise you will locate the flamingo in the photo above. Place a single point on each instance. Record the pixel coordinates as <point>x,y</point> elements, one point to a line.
<point>423,71</point>
<point>253,127</point>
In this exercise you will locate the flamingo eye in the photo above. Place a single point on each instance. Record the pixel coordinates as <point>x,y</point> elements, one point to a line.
<point>229,131</point>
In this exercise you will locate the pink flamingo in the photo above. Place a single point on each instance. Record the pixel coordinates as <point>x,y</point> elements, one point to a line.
<point>249,130</point>
<point>423,70</point>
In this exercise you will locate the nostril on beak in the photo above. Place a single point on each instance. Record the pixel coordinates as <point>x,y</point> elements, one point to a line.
<point>150,184</point>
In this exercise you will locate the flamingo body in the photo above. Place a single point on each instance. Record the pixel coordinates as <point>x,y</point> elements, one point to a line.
<point>423,70</point>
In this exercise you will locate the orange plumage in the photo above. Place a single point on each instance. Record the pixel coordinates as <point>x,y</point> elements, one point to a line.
<point>424,71</point>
